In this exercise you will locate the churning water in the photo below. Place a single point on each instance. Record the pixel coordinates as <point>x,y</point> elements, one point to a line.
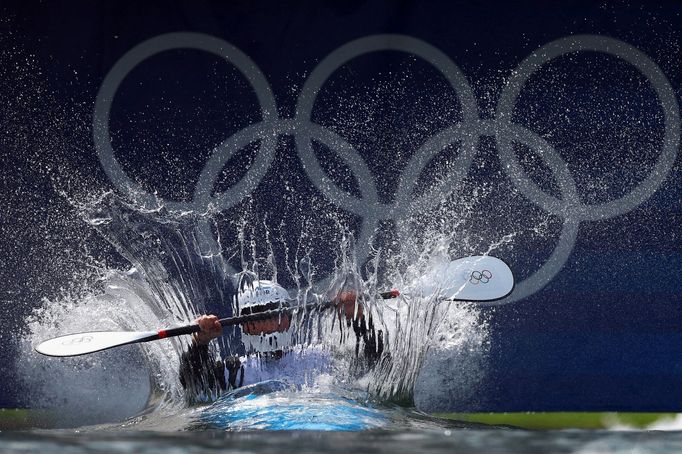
<point>130,399</point>
<point>171,280</point>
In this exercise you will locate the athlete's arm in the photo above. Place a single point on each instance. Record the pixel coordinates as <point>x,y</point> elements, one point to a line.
<point>347,305</point>
<point>201,374</point>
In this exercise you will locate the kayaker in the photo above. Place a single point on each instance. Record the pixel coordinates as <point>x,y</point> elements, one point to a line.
<point>270,348</point>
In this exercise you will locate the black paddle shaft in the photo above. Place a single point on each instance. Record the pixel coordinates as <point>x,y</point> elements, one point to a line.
<point>258,316</point>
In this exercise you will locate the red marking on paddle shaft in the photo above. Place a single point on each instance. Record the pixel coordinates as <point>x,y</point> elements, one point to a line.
<point>162,334</point>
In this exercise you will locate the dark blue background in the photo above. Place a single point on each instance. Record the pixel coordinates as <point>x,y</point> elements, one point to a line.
<point>604,334</point>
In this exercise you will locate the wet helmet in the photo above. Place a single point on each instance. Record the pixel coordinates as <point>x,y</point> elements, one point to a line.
<point>259,296</point>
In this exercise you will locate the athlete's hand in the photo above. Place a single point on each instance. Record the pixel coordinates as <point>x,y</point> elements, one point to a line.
<point>345,303</point>
<point>210,329</point>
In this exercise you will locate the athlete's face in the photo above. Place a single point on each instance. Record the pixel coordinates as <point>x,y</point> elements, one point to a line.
<point>276,324</point>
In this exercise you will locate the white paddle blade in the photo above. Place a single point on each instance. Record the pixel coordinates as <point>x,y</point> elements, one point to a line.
<point>82,343</point>
<point>477,278</point>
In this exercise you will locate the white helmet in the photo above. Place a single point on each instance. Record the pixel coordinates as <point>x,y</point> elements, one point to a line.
<point>259,296</point>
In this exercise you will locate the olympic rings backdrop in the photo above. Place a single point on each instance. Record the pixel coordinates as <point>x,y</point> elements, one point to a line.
<point>554,104</point>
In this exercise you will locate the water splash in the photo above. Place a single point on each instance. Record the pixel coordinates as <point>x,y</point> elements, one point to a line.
<point>171,281</point>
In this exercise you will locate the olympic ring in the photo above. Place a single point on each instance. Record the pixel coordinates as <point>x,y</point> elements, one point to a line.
<point>370,44</point>
<point>569,208</point>
<point>480,277</point>
<point>210,44</point>
<point>664,91</point>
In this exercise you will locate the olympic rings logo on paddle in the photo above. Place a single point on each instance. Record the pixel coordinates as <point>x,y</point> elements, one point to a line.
<point>480,277</point>
<point>569,207</point>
